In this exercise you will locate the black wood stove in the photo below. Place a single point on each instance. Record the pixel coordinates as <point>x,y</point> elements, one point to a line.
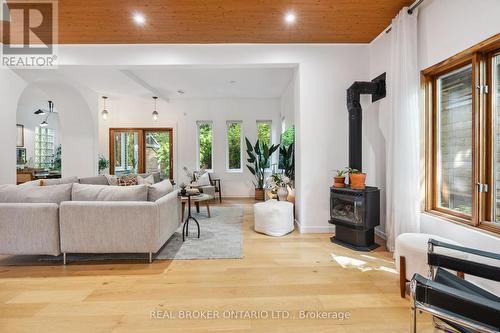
<point>356,213</point>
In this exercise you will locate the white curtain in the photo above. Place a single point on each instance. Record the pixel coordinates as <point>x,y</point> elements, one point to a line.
<point>403,155</point>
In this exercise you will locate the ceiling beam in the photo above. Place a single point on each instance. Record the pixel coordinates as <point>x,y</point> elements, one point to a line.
<point>131,75</point>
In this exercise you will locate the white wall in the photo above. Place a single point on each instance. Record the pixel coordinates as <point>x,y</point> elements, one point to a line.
<point>324,73</point>
<point>11,88</point>
<point>289,103</point>
<point>445,27</point>
<point>182,115</point>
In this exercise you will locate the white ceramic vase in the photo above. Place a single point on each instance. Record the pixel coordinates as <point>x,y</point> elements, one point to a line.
<point>282,193</point>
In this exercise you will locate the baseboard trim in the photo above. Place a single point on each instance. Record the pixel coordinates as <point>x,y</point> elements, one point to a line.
<point>312,229</point>
<point>380,233</point>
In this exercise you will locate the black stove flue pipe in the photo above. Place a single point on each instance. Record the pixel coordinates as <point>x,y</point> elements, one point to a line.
<point>376,88</point>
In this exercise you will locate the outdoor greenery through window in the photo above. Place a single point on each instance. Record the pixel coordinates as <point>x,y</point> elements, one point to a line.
<point>205,145</point>
<point>264,132</point>
<point>454,158</point>
<point>234,145</point>
<point>44,147</point>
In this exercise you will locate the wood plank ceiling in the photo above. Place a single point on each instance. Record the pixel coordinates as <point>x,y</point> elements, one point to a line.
<point>224,21</point>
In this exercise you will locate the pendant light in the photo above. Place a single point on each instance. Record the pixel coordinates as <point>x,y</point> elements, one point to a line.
<point>42,112</point>
<point>155,113</point>
<point>104,112</point>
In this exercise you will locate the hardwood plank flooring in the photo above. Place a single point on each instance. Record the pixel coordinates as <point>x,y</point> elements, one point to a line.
<point>278,278</point>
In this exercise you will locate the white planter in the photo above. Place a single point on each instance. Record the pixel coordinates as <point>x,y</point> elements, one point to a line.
<point>282,193</point>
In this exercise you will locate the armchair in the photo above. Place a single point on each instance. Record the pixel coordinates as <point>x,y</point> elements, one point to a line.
<point>456,305</point>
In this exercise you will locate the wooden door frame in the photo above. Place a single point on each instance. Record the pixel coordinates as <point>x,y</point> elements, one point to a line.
<point>141,165</point>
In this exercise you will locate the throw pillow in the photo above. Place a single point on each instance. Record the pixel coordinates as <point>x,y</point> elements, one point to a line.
<point>158,190</point>
<point>85,192</point>
<point>128,180</point>
<point>149,180</point>
<point>204,180</point>
<point>112,180</point>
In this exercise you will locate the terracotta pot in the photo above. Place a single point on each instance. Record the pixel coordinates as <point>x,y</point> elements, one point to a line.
<point>259,194</point>
<point>358,181</point>
<point>338,182</point>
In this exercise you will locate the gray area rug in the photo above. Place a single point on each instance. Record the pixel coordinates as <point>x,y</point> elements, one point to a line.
<point>221,237</point>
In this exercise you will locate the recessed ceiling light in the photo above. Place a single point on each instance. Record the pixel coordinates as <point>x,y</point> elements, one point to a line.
<point>290,18</point>
<point>139,19</point>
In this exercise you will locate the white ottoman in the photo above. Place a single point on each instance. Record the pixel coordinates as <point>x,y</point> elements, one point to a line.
<point>273,218</point>
<point>411,256</point>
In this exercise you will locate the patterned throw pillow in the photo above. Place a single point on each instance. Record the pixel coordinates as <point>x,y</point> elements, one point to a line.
<point>127,180</point>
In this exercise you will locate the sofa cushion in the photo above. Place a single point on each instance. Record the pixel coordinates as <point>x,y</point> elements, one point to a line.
<point>58,181</point>
<point>86,192</point>
<point>112,180</point>
<point>96,180</point>
<point>35,194</point>
<point>158,190</point>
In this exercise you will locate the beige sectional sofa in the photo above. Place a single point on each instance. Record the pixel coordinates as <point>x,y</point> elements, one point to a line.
<point>91,218</point>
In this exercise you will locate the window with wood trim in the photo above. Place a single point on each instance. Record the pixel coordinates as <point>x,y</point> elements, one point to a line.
<point>141,150</point>
<point>462,103</point>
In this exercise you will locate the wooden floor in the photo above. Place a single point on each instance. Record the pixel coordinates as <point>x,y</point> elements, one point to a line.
<point>279,279</point>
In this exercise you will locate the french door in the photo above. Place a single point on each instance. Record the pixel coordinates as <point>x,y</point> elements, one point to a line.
<point>141,150</point>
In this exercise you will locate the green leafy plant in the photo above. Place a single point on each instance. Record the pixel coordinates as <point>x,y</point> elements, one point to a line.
<point>163,156</point>
<point>287,155</point>
<point>259,156</point>
<point>103,163</point>
<point>352,171</point>
<point>57,159</point>
<point>341,172</point>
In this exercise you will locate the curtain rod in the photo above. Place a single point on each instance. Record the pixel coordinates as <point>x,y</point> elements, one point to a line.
<point>410,11</point>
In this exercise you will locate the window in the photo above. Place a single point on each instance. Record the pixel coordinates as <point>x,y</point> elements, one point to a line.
<point>287,139</point>
<point>234,143</point>
<point>264,132</point>
<point>205,145</point>
<point>462,102</point>
<point>264,136</point>
<point>44,147</point>
<point>141,150</point>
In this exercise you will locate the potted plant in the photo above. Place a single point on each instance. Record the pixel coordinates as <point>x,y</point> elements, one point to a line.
<point>339,180</point>
<point>258,157</point>
<point>278,183</point>
<point>102,164</point>
<point>357,179</point>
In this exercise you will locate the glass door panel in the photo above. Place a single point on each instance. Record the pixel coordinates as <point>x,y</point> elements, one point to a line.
<point>158,152</point>
<point>454,138</point>
<point>126,152</point>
